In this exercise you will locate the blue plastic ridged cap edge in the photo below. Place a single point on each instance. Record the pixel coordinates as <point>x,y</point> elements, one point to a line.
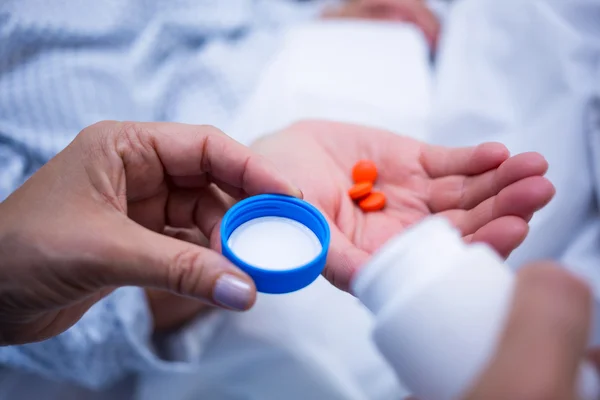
<point>273,205</point>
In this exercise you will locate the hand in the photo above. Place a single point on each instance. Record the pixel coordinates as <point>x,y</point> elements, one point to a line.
<point>92,220</point>
<point>486,194</point>
<point>544,341</point>
<point>171,312</point>
<point>412,11</point>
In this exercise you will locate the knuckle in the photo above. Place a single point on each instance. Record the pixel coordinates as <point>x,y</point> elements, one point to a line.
<point>105,137</point>
<point>186,272</point>
<point>130,136</point>
<point>214,144</point>
<point>96,136</point>
<point>99,128</point>
<point>209,130</point>
<point>206,148</point>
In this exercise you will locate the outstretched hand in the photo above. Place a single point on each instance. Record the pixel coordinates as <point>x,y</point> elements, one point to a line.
<point>483,191</point>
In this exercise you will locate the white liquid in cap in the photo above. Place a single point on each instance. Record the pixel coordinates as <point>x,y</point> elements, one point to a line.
<point>274,243</point>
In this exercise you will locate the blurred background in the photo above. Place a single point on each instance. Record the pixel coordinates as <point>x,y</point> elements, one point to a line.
<point>453,72</point>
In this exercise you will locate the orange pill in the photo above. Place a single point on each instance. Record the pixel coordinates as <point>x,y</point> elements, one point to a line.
<point>364,171</point>
<point>360,190</point>
<point>373,202</point>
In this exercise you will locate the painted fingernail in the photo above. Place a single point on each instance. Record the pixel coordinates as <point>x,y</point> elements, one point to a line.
<point>232,292</point>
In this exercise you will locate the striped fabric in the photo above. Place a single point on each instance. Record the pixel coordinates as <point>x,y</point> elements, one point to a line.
<point>65,64</point>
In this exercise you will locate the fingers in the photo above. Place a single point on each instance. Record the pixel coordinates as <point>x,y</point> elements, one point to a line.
<point>503,234</point>
<point>202,208</point>
<point>544,339</point>
<point>418,12</point>
<point>170,312</point>
<point>140,257</point>
<point>191,151</point>
<point>478,205</point>
<point>343,259</point>
<point>440,161</point>
<point>520,199</point>
<point>191,235</point>
<point>465,192</point>
<point>414,11</point>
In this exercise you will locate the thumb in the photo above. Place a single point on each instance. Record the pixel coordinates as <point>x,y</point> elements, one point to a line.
<point>140,257</point>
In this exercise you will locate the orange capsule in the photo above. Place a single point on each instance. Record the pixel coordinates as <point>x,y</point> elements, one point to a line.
<point>360,190</point>
<point>373,202</point>
<point>364,171</point>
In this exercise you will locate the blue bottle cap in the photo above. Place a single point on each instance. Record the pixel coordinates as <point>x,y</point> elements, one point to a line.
<point>273,209</point>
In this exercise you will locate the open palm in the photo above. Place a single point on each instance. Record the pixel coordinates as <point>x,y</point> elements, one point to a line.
<point>483,191</point>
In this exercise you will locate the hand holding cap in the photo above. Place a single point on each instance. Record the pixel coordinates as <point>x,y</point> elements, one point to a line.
<point>92,220</point>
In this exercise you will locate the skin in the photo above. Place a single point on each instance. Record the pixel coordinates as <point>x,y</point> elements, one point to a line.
<point>484,192</point>
<point>112,209</point>
<point>411,11</point>
<point>544,341</point>
<point>92,220</point>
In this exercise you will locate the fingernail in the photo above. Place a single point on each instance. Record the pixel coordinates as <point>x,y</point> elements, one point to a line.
<point>232,292</point>
<point>295,192</point>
